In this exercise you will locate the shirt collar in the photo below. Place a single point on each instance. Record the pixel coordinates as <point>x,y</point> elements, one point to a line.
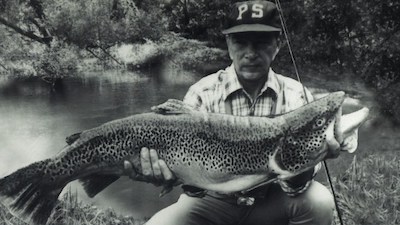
<point>232,84</point>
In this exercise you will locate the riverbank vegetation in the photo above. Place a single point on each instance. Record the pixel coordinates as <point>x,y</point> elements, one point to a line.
<point>70,211</point>
<point>369,191</point>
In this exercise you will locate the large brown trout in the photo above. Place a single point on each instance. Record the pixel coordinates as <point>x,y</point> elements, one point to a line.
<point>211,151</point>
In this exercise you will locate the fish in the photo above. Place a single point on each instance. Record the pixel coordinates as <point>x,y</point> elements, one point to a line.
<point>216,152</point>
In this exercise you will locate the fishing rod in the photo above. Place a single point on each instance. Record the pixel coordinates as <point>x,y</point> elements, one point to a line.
<point>283,23</point>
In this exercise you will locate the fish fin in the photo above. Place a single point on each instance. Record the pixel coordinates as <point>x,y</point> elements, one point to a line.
<point>172,106</point>
<point>94,184</point>
<point>352,121</point>
<point>348,126</point>
<point>41,203</point>
<point>72,138</point>
<point>15,183</point>
<point>32,196</point>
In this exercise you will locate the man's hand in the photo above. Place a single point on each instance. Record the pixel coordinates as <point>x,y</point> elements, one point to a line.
<point>154,170</point>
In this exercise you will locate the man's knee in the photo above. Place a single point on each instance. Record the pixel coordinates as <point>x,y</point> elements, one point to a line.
<point>186,211</point>
<point>175,214</point>
<point>316,205</point>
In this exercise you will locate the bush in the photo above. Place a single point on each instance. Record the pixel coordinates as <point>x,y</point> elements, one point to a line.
<point>190,54</point>
<point>58,61</point>
<point>102,23</point>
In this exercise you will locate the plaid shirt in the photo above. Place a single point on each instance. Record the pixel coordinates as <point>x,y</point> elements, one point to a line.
<point>278,95</point>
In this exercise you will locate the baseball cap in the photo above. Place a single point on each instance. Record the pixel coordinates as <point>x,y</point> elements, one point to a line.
<point>253,16</point>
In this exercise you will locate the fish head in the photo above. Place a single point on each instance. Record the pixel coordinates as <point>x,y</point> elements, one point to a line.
<point>303,146</point>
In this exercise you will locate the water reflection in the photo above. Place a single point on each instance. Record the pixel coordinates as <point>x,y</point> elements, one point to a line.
<point>34,122</point>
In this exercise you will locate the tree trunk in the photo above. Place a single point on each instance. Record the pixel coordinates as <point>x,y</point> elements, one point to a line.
<point>40,18</point>
<point>29,34</point>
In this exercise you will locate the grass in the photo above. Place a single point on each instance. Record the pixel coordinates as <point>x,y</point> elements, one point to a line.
<point>70,211</point>
<point>369,191</point>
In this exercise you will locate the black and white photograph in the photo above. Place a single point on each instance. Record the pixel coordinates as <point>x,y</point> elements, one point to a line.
<point>207,112</point>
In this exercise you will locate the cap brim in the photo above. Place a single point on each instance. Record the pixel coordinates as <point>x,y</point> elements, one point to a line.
<point>251,28</point>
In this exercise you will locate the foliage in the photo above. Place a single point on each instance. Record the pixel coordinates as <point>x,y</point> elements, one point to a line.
<point>101,22</point>
<point>369,192</point>
<point>84,23</point>
<point>17,55</point>
<point>201,20</point>
<point>26,18</point>
<point>93,26</point>
<point>58,61</point>
<point>191,54</point>
<point>361,36</point>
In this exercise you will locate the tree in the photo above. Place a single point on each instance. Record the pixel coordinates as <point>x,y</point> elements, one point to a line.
<point>26,17</point>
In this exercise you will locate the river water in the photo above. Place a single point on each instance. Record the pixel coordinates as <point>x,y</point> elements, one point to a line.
<point>35,121</point>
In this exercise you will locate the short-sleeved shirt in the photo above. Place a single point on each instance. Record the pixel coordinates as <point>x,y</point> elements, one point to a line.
<point>279,95</point>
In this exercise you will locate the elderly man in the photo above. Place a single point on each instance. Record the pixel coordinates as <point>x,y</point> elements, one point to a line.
<point>249,87</point>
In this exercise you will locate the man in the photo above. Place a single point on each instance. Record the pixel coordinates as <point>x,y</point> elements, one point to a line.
<point>249,87</point>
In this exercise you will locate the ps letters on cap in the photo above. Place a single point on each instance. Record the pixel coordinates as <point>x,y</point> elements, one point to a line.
<point>253,16</point>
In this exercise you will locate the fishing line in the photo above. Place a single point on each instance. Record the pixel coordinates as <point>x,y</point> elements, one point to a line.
<point>285,32</point>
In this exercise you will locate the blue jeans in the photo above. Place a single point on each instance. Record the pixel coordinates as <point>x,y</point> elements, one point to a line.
<point>313,207</point>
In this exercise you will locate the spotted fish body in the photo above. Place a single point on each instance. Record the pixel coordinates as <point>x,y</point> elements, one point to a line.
<point>212,151</point>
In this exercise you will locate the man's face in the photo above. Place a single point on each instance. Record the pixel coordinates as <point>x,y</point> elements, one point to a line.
<point>252,53</point>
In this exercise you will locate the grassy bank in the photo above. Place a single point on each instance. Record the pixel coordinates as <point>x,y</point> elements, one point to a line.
<point>70,211</point>
<point>369,191</point>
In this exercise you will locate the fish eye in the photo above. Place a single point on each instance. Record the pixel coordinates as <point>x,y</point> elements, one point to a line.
<point>319,123</point>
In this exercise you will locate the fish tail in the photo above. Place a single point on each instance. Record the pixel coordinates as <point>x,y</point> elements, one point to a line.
<point>32,196</point>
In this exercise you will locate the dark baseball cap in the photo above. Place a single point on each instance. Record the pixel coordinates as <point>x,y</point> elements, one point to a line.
<point>253,16</point>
